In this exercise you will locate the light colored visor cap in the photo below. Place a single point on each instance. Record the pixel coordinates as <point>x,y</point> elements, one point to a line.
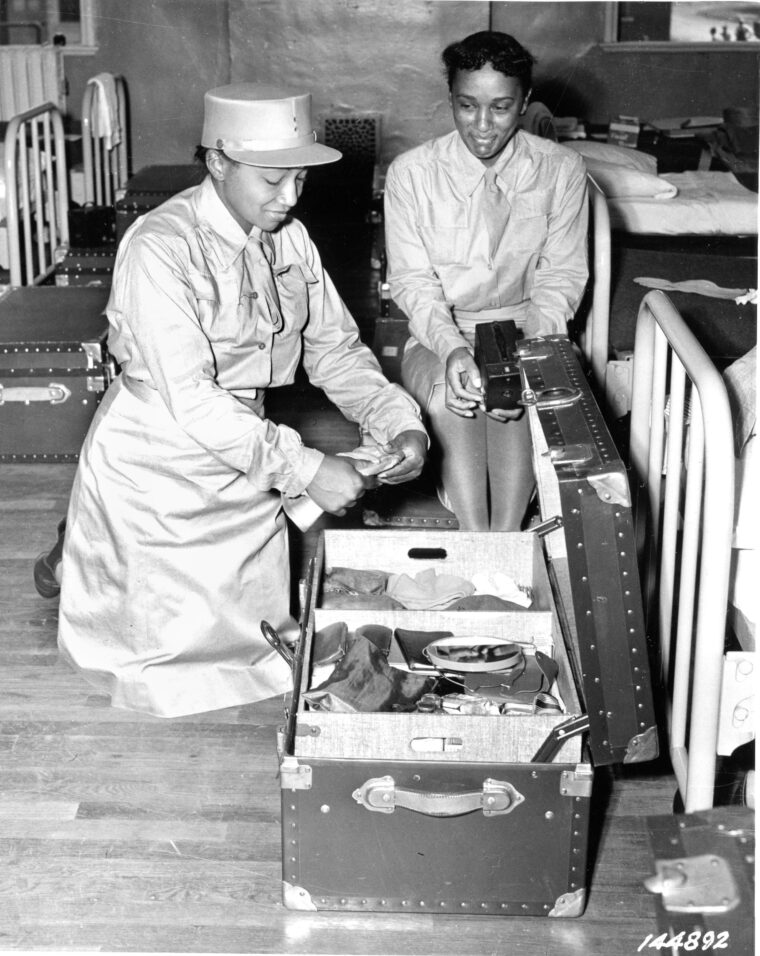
<point>263,126</point>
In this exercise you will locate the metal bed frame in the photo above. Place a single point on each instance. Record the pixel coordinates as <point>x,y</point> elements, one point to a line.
<point>682,455</point>
<point>38,194</point>
<point>105,170</point>
<point>595,337</point>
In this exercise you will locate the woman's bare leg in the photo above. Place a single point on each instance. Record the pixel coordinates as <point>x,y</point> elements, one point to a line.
<point>464,473</point>
<point>510,472</point>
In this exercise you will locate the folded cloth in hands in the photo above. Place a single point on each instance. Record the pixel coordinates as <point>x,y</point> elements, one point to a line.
<point>370,459</point>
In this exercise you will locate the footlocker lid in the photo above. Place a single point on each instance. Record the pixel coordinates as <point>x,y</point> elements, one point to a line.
<point>583,486</point>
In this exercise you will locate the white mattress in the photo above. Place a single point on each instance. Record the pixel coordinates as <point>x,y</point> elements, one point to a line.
<point>707,204</point>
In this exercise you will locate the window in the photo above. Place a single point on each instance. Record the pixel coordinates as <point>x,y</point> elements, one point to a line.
<point>66,23</point>
<point>733,25</point>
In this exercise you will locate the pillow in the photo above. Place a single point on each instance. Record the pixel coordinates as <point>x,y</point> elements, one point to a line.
<point>621,182</point>
<point>608,153</point>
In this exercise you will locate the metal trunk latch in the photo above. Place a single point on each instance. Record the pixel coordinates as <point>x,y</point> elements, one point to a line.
<point>106,372</point>
<point>695,884</point>
<point>578,782</point>
<point>294,775</point>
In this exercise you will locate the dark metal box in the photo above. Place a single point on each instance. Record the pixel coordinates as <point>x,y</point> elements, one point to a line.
<point>469,813</point>
<point>88,267</point>
<point>54,369</point>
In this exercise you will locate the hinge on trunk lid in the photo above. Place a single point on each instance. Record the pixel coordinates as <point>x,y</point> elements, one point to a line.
<point>695,884</point>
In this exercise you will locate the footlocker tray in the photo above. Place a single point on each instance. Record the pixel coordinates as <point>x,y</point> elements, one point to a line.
<point>54,369</point>
<point>465,811</point>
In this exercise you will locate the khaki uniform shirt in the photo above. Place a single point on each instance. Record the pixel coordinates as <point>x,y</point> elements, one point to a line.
<point>440,261</point>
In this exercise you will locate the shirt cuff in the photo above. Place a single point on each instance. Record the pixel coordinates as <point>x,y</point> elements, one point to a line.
<point>448,339</point>
<point>304,469</point>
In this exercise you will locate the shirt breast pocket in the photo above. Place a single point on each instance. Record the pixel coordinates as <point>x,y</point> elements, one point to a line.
<point>208,303</point>
<point>530,215</point>
<point>293,285</point>
<point>446,236</point>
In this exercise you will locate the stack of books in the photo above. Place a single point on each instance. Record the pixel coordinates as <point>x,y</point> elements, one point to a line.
<point>683,127</point>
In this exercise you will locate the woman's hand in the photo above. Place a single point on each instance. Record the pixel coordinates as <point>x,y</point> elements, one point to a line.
<point>505,414</point>
<point>412,446</point>
<point>337,485</point>
<point>464,390</point>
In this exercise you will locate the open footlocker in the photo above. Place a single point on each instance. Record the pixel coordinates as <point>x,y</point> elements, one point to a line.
<point>472,808</point>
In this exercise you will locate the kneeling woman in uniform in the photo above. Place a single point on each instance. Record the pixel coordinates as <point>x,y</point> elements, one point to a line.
<point>176,545</point>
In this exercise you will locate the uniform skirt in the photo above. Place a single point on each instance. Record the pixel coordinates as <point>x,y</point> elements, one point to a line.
<point>171,560</point>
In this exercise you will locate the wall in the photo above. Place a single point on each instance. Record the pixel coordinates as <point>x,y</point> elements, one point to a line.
<point>380,56</point>
<point>575,76</point>
<point>358,56</point>
<point>169,52</point>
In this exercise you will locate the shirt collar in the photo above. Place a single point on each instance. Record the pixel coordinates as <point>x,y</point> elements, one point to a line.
<point>470,171</point>
<point>221,233</point>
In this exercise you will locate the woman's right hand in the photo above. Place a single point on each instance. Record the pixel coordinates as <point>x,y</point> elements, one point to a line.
<point>464,391</point>
<point>337,485</point>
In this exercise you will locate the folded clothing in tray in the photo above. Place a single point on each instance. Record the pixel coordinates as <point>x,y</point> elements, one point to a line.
<point>427,590</point>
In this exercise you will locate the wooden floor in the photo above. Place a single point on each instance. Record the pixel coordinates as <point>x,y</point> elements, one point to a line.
<point>123,832</point>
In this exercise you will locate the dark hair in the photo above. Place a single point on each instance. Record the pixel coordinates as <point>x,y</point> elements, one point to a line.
<point>501,50</point>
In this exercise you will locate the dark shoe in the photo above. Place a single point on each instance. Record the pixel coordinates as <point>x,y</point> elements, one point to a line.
<point>44,567</point>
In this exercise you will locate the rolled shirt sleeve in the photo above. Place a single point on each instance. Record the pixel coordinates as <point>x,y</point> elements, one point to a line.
<point>337,361</point>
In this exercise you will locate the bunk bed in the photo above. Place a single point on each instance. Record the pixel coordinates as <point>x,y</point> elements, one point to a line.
<point>694,233</point>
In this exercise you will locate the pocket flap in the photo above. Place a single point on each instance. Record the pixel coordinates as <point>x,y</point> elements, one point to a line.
<point>203,285</point>
<point>528,205</point>
<point>299,270</point>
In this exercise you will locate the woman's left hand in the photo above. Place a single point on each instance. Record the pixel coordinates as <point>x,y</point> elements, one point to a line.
<point>505,414</point>
<point>412,445</point>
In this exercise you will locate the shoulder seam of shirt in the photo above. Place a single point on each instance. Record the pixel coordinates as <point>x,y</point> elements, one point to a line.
<point>421,154</point>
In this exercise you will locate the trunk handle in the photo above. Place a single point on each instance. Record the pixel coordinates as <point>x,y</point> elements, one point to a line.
<point>55,393</point>
<point>381,795</point>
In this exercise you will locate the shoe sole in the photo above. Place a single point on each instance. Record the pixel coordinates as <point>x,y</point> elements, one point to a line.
<point>44,579</point>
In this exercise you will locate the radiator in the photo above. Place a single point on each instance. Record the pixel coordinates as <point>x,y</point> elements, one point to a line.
<point>29,77</point>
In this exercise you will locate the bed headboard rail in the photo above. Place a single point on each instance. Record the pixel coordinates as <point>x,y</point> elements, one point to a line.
<point>37,194</point>
<point>104,139</point>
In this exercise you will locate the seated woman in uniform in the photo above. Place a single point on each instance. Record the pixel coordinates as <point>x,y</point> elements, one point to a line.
<point>485,223</point>
<point>175,543</point>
